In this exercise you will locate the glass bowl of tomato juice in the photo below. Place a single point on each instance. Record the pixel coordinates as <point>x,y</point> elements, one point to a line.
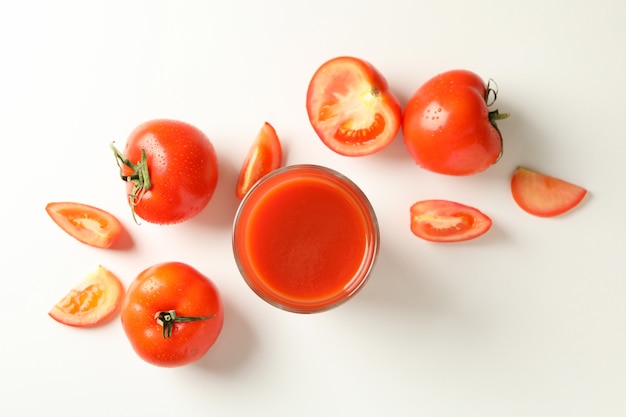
<point>305,238</point>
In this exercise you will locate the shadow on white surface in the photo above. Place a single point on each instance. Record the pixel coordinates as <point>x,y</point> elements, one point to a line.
<point>220,211</point>
<point>234,345</point>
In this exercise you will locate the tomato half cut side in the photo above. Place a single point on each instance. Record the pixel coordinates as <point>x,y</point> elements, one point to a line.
<point>93,301</point>
<point>264,156</point>
<point>544,195</point>
<point>351,107</point>
<point>87,224</point>
<point>447,221</point>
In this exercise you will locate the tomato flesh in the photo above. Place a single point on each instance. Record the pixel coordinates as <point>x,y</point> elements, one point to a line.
<point>447,221</point>
<point>93,301</point>
<point>448,127</point>
<point>87,224</point>
<point>264,156</point>
<point>179,287</point>
<point>351,108</point>
<point>544,195</point>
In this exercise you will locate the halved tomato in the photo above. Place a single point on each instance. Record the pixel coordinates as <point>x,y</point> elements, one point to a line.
<point>543,195</point>
<point>264,156</point>
<point>88,224</point>
<point>351,108</point>
<point>447,221</point>
<point>94,301</point>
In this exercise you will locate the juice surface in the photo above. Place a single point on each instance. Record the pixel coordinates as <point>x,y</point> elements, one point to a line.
<point>306,239</point>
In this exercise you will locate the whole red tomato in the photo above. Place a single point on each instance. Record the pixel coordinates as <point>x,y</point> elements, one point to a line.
<point>172,314</point>
<point>170,168</point>
<point>448,127</point>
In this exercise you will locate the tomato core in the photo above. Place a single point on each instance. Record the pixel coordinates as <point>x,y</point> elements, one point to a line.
<point>305,238</point>
<point>445,226</point>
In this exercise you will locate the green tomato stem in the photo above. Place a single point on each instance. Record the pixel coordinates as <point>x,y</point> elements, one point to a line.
<point>139,177</point>
<point>495,115</point>
<point>166,319</point>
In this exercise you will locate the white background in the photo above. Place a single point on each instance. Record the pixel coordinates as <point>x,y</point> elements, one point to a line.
<point>528,320</point>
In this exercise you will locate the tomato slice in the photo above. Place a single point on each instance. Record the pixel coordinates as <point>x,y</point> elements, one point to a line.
<point>351,108</point>
<point>93,301</point>
<point>89,225</point>
<point>543,195</point>
<point>447,221</point>
<point>264,156</point>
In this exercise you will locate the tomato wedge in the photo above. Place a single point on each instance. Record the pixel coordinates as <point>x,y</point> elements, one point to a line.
<point>351,108</point>
<point>94,301</point>
<point>264,156</point>
<point>543,195</point>
<point>87,224</point>
<point>447,221</point>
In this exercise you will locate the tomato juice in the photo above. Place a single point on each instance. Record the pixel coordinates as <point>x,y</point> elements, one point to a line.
<point>305,238</point>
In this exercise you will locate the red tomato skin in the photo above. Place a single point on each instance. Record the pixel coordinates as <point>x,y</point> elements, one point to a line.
<point>265,155</point>
<point>172,286</point>
<point>87,224</point>
<point>446,125</point>
<point>447,221</point>
<point>183,169</point>
<point>336,78</point>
